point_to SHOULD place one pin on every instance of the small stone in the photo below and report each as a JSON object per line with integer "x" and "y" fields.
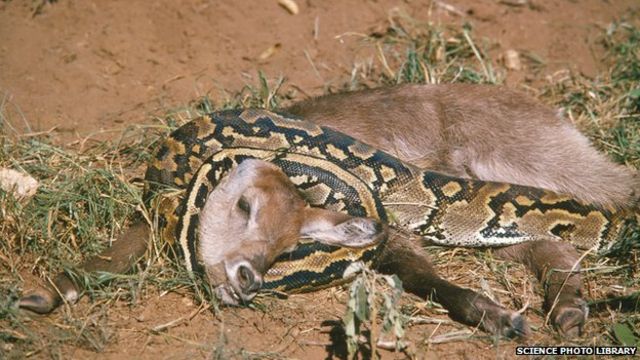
{"x": 22, "y": 186}
{"x": 512, "y": 60}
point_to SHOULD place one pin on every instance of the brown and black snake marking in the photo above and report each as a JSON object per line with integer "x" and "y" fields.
{"x": 335, "y": 171}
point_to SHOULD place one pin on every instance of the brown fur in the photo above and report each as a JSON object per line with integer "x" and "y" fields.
{"x": 252, "y": 216}
{"x": 404, "y": 257}
{"x": 492, "y": 134}
{"x": 469, "y": 131}
{"x": 477, "y": 131}
{"x": 556, "y": 266}
{"x": 119, "y": 258}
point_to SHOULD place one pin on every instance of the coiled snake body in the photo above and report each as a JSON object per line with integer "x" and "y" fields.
{"x": 335, "y": 171}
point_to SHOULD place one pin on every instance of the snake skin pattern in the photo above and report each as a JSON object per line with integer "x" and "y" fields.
{"x": 337, "y": 172}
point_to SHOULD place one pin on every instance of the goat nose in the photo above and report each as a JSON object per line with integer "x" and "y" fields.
{"x": 250, "y": 282}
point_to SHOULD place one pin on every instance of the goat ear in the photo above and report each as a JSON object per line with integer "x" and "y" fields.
{"x": 334, "y": 228}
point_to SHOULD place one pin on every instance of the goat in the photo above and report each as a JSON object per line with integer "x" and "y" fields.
{"x": 479, "y": 132}
{"x": 492, "y": 134}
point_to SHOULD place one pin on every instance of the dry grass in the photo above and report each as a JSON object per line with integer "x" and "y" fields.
{"x": 606, "y": 108}
{"x": 88, "y": 190}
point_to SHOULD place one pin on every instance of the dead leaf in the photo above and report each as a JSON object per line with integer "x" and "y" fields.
{"x": 290, "y": 5}
{"x": 269, "y": 52}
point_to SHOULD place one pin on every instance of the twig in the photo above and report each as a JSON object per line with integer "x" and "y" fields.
{"x": 316, "y": 343}
{"x": 373, "y": 308}
{"x": 419, "y": 320}
{"x": 485, "y": 69}
{"x": 350, "y": 33}
{"x": 13, "y": 334}
{"x": 180, "y": 320}
{"x": 38, "y": 133}
{"x": 571, "y": 272}
{"x": 450, "y": 8}
{"x": 449, "y": 337}
{"x": 313, "y": 65}
{"x": 316, "y": 28}
{"x": 383, "y": 59}
{"x": 392, "y": 345}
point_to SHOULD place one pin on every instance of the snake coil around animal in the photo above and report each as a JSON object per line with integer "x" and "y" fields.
{"x": 335, "y": 171}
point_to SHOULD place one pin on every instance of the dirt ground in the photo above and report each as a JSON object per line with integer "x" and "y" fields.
{"x": 83, "y": 67}
{"x": 79, "y": 69}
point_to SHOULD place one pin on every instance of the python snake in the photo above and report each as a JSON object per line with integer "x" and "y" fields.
{"x": 335, "y": 171}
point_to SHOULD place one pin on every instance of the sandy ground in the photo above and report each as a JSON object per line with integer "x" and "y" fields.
{"x": 81, "y": 69}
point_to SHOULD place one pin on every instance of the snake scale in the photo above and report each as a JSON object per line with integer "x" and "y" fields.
{"x": 335, "y": 171}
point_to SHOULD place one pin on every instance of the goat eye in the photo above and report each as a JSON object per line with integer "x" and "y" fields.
{"x": 244, "y": 206}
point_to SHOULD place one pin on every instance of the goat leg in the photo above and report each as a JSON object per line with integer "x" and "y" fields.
{"x": 119, "y": 258}
{"x": 556, "y": 265}
{"x": 411, "y": 264}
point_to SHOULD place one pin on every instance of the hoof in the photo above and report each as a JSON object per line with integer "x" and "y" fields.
{"x": 569, "y": 319}
{"x": 503, "y": 322}
{"x": 40, "y": 301}
{"x": 498, "y": 320}
{"x": 516, "y": 327}
{"x": 511, "y": 325}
